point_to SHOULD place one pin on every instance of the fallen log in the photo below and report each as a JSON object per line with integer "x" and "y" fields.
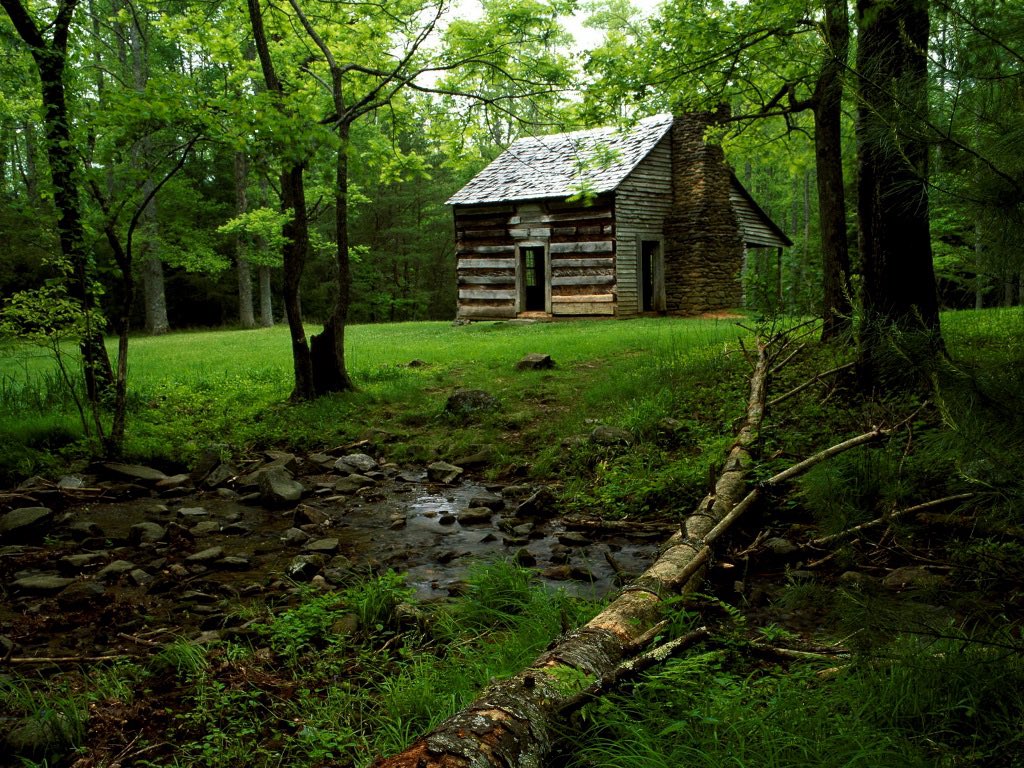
{"x": 512, "y": 722}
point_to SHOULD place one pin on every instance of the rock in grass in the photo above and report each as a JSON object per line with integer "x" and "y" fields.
{"x": 356, "y": 463}
{"x": 468, "y": 403}
{"x": 535, "y": 362}
{"x": 602, "y": 435}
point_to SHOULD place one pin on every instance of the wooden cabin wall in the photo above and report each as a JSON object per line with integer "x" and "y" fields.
{"x": 755, "y": 230}
{"x": 643, "y": 201}
{"x": 580, "y": 248}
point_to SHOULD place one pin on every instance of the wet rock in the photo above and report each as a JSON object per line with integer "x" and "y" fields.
{"x": 205, "y": 528}
{"x": 25, "y": 525}
{"x": 490, "y": 500}
{"x": 295, "y": 537}
{"x": 409, "y": 476}
{"x": 325, "y": 546}
{"x": 578, "y": 573}
{"x": 237, "y": 529}
{"x": 303, "y": 568}
{"x": 540, "y": 505}
{"x": 173, "y": 483}
{"x": 277, "y": 488}
{"x": 443, "y": 472}
{"x": 227, "y": 493}
{"x": 353, "y": 483}
{"x": 535, "y": 361}
{"x": 73, "y": 564}
{"x": 205, "y": 556}
{"x": 219, "y": 475}
{"x": 559, "y": 554}
{"x": 140, "y": 577}
{"x": 45, "y": 584}
{"x": 85, "y": 529}
{"x": 179, "y": 536}
{"x": 447, "y": 518}
{"x": 573, "y": 539}
{"x": 604, "y": 435}
{"x": 780, "y": 547}
{"x": 476, "y": 516}
{"x": 133, "y": 472}
{"x": 466, "y": 404}
{"x": 912, "y": 577}
{"x": 192, "y": 514}
{"x": 81, "y": 594}
{"x": 234, "y": 563}
{"x": 515, "y": 541}
{"x": 115, "y": 570}
{"x": 70, "y": 482}
{"x": 560, "y": 572}
{"x": 282, "y": 459}
{"x": 524, "y": 558}
{"x": 307, "y": 515}
{"x": 356, "y": 463}
{"x": 517, "y": 491}
{"x": 146, "y": 533}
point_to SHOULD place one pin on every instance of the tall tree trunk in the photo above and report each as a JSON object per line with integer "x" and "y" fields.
{"x": 899, "y": 293}
{"x": 245, "y": 316}
{"x": 154, "y": 296}
{"x": 266, "y": 303}
{"x": 295, "y": 230}
{"x": 828, "y": 155}
{"x": 50, "y": 59}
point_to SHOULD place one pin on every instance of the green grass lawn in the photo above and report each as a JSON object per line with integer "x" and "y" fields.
{"x": 189, "y": 391}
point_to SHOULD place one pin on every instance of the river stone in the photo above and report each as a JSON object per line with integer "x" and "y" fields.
{"x": 307, "y": 515}
{"x": 174, "y": 482}
{"x": 277, "y": 488}
{"x": 139, "y": 577}
{"x": 146, "y": 533}
{"x": 134, "y": 472}
{"x": 234, "y": 562}
{"x": 115, "y": 570}
{"x": 28, "y": 524}
{"x": 573, "y": 539}
{"x": 557, "y": 573}
{"x": 524, "y": 558}
{"x": 466, "y": 403}
{"x": 476, "y": 516}
{"x": 326, "y": 546}
{"x": 912, "y": 577}
{"x": 80, "y": 594}
{"x": 295, "y": 537}
{"x": 44, "y": 583}
{"x": 481, "y": 456}
{"x": 237, "y": 529}
{"x": 206, "y": 556}
{"x": 73, "y": 564}
{"x": 446, "y": 518}
{"x": 356, "y": 463}
{"x": 304, "y": 567}
{"x": 353, "y": 483}
{"x": 191, "y": 514}
{"x": 535, "y": 362}
{"x": 205, "y": 528}
{"x": 70, "y": 482}
{"x": 282, "y": 459}
{"x": 780, "y": 547}
{"x": 84, "y": 529}
{"x": 443, "y": 472}
{"x": 604, "y": 435}
{"x": 541, "y": 505}
{"x": 489, "y": 500}
{"x": 219, "y": 475}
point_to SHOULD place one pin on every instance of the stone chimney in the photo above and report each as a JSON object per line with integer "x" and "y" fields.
{"x": 703, "y": 244}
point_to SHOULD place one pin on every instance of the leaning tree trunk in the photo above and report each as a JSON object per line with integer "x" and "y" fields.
{"x": 514, "y": 722}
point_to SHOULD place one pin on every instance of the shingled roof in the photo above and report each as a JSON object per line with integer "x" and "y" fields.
{"x": 564, "y": 164}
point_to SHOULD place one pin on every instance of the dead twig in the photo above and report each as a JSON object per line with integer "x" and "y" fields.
{"x": 824, "y": 541}
{"x": 69, "y": 659}
{"x": 779, "y": 366}
{"x": 816, "y": 378}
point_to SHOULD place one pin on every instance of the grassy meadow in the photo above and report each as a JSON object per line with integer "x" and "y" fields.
{"x": 931, "y": 675}
{"x": 229, "y": 389}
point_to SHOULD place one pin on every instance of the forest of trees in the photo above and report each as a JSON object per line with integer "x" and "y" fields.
{"x": 234, "y": 165}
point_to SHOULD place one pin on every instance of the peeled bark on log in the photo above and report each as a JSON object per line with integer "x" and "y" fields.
{"x": 513, "y": 722}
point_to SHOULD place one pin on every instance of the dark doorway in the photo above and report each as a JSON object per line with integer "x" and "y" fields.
{"x": 649, "y": 252}
{"x": 534, "y": 298}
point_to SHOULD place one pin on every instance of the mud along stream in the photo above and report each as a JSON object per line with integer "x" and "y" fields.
{"x": 106, "y": 563}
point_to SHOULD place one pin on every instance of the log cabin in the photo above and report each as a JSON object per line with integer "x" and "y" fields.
{"x": 613, "y": 222}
